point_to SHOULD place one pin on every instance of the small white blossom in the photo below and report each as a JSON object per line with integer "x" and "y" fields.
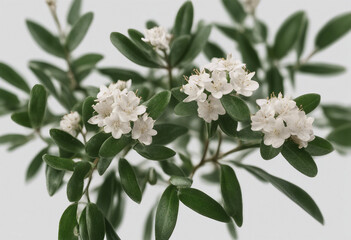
{"x": 200, "y": 79}
{"x": 219, "y": 85}
{"x": 70, "y": 123}
{"x": 284, "y": 106}
{"x": 242, "y": 83}
{"x": 103, "y": 110}
{"x": 220, "y": 64}
{"x": 301, "y": 126}
{"x": 210, "y": 109}
{"x": 143, "y": 129}
{"x": 194, "y": 92}
{"x": 263, "y": 120}
{"x": 128, "y": 107}
{"x": 115, "y": 126}
{"x": 158, "y": 37}
{"x": 123, "y": 85}
{"x": 277, "y": 136}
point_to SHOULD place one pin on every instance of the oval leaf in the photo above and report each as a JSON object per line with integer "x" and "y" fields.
{"x": 321, "y": 68}
{"x": 22, "y": 118}
{"x": 167, "y": 133}
{"x": 235, "y": 10}
{"x": 66, "y": 141}
{"x": 37, "y": 105}
{"x": 12, "y": 77}
{"x": 157, "y": 104}
{"x": 35, "y": 165}
{"x": 111, "y": 147}
{"x": 95, "y": 222}
{"x": 54, "y": 179}
{"x": 184, "y": 19}
{"x": 68, "y": 223}
{"x": 92, "y": 147}
{"x": 59, "y": 163}
{"x": 228, "y": 125}
{"x": 269, "y": 152}
{"x": 236, "y": 108}
{"x": 129, "y": 181}
{"x": 341, "y": 135}
{"x": 186, "y": 109}
{"x": 154, "y": 152}
{"x": 78, "y": 31}
{"x": 308, "y": 102}
{"x": 122, "y": 74}
{"x": 87, "y": 113}
{"x": 83, "y": 229}
{"x": 76, "y": 182}
{"x": 178, "y": 49}
{"x": 181, "y": 182}
{"x": 319, "y": 147}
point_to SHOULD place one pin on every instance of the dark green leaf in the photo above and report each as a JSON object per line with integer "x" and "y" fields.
{"x": 111, "y": 147}
{"x": 103, "y": 164}
{"x": 78, "y": 31}
{"x": 12, "y": 77}
{"x": 46, "y": 40}
{"x": 44, "y": 79}
{"x": 249, "y": 53}
{"x": 137, "y": 37}
{"x": 35, "y": 164}
{"x": 93, "y": 146}
{"x": 68, "y": 224}
{"x": 260, "y": 31}
{"x": 154, "y": 152}
{"x": 299, "y": 159}
{"x": 275, "y": 81}
{"x": 110, "y": 232}
{"x": 228, "y": 125}
{"x": 269, "y": 152}
{"x": 236, "y": 108}
{"x": 59, "y": 163}
{"x": 157, "y": 104}
{"x": 337, "y": 115}
{"x": 203, "y": 204}
{"x": 166, "y": 213}
{"x": 122, "y": 74}
{"x": 319, "y": 147}
{"x": 184, "y": 19}
{"x": 149, "y": 225}
{"x": 22, "y": 119}
{"x": 235, "y": 10}
{"x": 87, "y": 113}
{"x": 181, "y": 182}
{"x": 8, "y": 100}
{"x": 107, "y": 193}
{"x": 74, "y": 12}
{"x": 308, "y": 102}
{"x": 178, "y": 49}
{"x": 231, "y": 193}
{"x": 37, "y": 105}
{"x": 230, "y": 32}
{"x": 83, "y": 229}
{"x": 51, "y": 71}
{"x": 296, "y": 194}
{"x": 186, "y": 109}
{"x": 95, "y": 222}
{"x": 129, "y": 181}
{"x": 341, "y": 135}
{"x": 66, "y": 141}
{"x": 333, "y": 30}
{"x": 151, "y": 24}
{"x": 167, "y": 133}
{"x": 131, "y": 51}
{"x": 300, "y": 45}
{"x": 171, "y": 169}
{"x": 288, "y": 34}
{"x": 76, "y": 182}
{"x": 54, "y": 179}
{"x": 321, "y": 68}
{"x": 85, "y": 64}
{"x": 213, "y": 50}
{"x": 232, "y": 230}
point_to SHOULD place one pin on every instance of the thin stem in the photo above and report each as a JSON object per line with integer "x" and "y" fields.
{"x": 305, "y": 60}
{"x": 203, "y": 159}
{"x": 86, "y": 190}
{"x": 83, "y": 135}
{"x": 219, "y": 146}
{"x": 239, "y": 148}
{"x": 169, "y": 69}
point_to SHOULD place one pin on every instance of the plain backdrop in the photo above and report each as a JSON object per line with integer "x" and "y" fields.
{"x": 26, "y": 210}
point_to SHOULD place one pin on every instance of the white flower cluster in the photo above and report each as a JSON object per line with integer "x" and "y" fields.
{"x": 218, "y": 78}
{"x": 158, "y": 37}
{"x": 70, "y": 123}
{"x": 279, "y": 118}
{"x": 117, "y": 108}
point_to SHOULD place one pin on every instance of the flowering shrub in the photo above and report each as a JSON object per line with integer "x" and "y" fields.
{"x": 160, "y": 115}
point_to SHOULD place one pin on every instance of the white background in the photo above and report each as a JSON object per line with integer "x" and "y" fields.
{"x": 26, "y": 210}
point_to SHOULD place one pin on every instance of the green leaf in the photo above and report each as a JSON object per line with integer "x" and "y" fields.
{"x": 154, "y": 152}
{"x": 167, "y": 133}
{"x": 103, "y": 164}
{"x": 111, "y": 147}
{"x": 131, "y": 51}
{"x": 260, "y": 31}
{"x": 288, "y": 34}
{"x": 37, "y": 105}
{"x": 178, "y": 49}
{"x": 137, "y": 37}
{"x": 85, "y": 64}
{"x": 300, "y": 45}
{"x": 275, "y": 81}
{"x": 235, "y": 10}
{"x": 157, "y": 104}
{"x": 54, "y": 179}
{"x": 333, "y": 30}
{"x": 171, "y": 169}
{"x": 12, "y": 77}
{"x": 12, "y": 138}
{"x": 107, "y": 193}
{"x": 269, "y": 152}
{"x": 151, "y": 24}
{"x": 92, "y": 147}
{"x": 341, "y": 135}
{"x": 44, "y": 79}
{"x": 21, "y": 118}
{"x": 45, "y": 39}
{"x": 296, "y": 194}
{"x": 321, "y": 68}
{"x": 110, "y": 232}
{"x": 8, "y": 100}
{"x": 122, "y": 74}
{"x": 78, "y": 31}
{"x": 236, "y": 108}
{"x": 299, "y": 159}
{"x": 308, "y": 102}
{"x": 149, "y": 225}
{"x": 152, "y": 176}
{"x": 229, "y": 32}
{"x": 248, "y": 52}
{"x": 203, "y": 204}
{"x": 181, "y": 182}
{"x": 51, "y": 71}
{"x": 186, "y": 109}
{"x": 184, "y": 19}
{"x": 66, "y": 141}
{"x": 337, "y": 115}
{"x": 35, "y": 164}
{"x": 74, "y": 12}
{"x": 129, "y": 180}
{"x": 76, "y": 182}
{"x": 197, "y": 44}
{"x": 68, "y": 224}
{"x": 59, "y": 163}
{"x": 83, "y": 229}
{"x": 87, "y": 113}
{"x": 95, "y": 222}
{"x": 232, "y": 230}
{"x": 228, "y": 125}
{"x": 213, "y": 50}
{"x": 231, "y": 193}
{"x": 166, "y": 213}
{"x": 319, "y": 147}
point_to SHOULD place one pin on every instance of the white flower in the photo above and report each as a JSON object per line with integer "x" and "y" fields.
{"x": 123, "y": 85}
{"x": 277, "y": 136}
{"x": 200, "y": 79}
{"x": 242, "y": 82}
{"x": 143, "y": 129}
{"x": 210, "y": 109}
{"x": 284, "y": 106}
{"x": 115, "y": 126}
{"x": 263, "y": 119}
{"x": 250, "y": 5}
{"x": 300, "y": 126}
{"x": 158, "y": 37}
{"x": 219, "y": 85}
{"x": 103, "y": 110}
{"x": 194, "y": 92}
{"x": 220, "y": 64}
{"x": 70, "y": 123}
{"x": 302, "y": 144}
{"x": 127, "y": 106}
